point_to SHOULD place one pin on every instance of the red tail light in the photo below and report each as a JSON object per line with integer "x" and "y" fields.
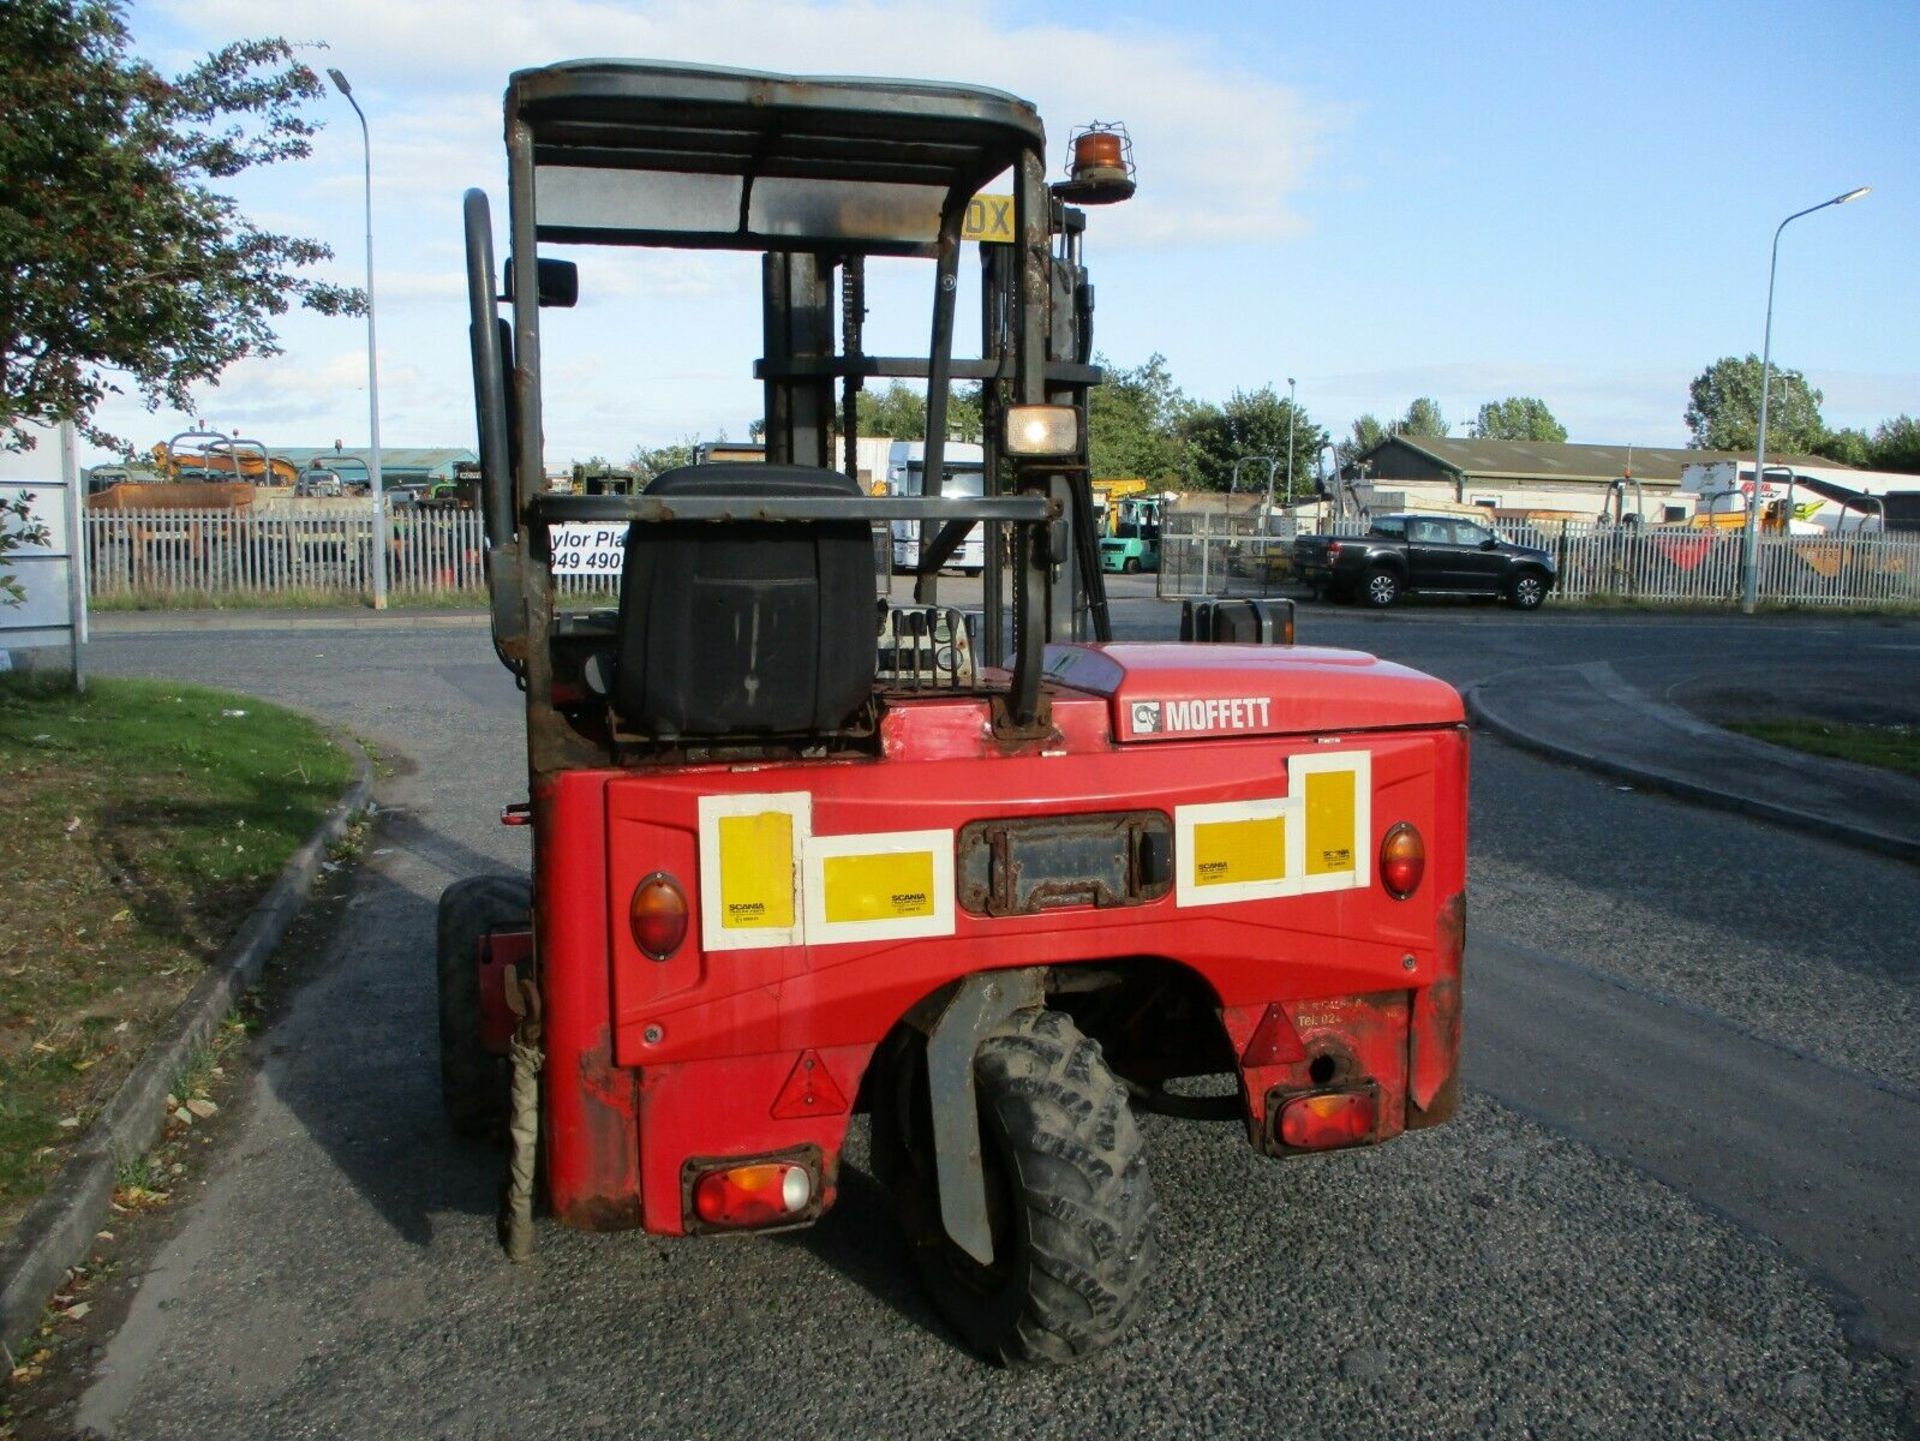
{"x": 1403, "y": 861}
{"x": 657, "y": 915}
{"x": 1329, "y": 1120}
{"x": 763, "y": 1194}
{"x": 1333, "y": 550}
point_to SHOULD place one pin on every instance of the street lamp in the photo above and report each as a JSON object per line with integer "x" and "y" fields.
{"x": 373, "y": 367}
{"x": 1289, "y": 445}
{"x": 1750, "y": 588}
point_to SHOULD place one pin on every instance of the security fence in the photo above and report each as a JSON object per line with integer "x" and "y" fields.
{"x": 180, "y": 555}
{"x": 210, "y": 557}
{"x": 1218, "y": 552}
{"x": 1211, "y": 552}
{"x": 1707, "y": 566}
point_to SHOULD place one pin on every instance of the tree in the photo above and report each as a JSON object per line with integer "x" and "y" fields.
{"x": 19, "y": 527}
{"x": 1896, "y": 445}
{"x": 1133, "y": 422}
{"x": 1848, "y": 446}
{"x": 899, "y": 411}
{"x": 1723, "y": 412}
{"x": 1252, "y": 423}
{"x": 120, "y": 259}
{"x": 1367, "y": 432}
{"x": 647, "y": 461}
{"x": 1423, "y": 418}
{"x": 1518, "y": 417}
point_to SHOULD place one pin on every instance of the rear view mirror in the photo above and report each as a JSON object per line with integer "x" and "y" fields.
{"x": 1489, "y": 543}
{"x": 559, "y": 283}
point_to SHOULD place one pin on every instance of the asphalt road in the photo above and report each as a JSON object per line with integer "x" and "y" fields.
{"x": 1593, "y": 1248}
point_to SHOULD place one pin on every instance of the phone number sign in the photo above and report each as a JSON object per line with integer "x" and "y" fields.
{"x": 585, "y": 548}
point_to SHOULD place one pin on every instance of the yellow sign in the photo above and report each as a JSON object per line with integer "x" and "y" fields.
{"x": 989, "y": 220}
{"x": 756, "y": 871}
{"x": 1227, "y": 853}
{"x": 1330, "y": 828}
{"x": 887, "y": 886}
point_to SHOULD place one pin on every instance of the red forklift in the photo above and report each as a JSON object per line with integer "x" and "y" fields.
{"x": 801, "y": 853}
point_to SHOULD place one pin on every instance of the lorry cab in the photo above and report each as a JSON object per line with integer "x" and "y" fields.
{"x": 962, "y": 474}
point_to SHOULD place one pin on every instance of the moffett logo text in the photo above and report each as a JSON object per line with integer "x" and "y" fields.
{"x": 1220, "y": 713}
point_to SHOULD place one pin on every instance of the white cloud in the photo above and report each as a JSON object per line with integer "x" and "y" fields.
{"x": 1222, "y": 151}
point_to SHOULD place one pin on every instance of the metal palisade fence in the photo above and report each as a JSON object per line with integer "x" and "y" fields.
{"x": 1210, "y": 552}
{"x": 182, "y": 557}
{"x": 178, "y": 557}
{"x": 1657, "y": 563}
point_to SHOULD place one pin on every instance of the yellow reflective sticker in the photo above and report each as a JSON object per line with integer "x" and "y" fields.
{"x": 883, "y": 887}
{"x": 1235, "y": 852}
{"x": 756, "y": 871}
{"x": 1330, "y": 807}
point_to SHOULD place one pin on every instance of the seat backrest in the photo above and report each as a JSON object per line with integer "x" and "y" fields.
{"x": 745, "y": 629}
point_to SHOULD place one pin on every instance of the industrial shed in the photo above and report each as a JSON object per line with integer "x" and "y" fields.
{"x": 399, "y": 464}
{"x": 1515, "y": 477}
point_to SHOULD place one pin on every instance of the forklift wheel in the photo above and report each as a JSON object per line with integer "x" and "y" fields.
{"x": 473, "y": 1082}
{"x": 1068, "y": 1194}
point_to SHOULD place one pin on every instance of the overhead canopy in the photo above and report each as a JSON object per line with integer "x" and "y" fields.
{"x": 639, "y": 152}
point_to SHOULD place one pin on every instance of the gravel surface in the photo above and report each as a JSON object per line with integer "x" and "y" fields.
{"x": 1801, "y": 941}
{"x": 1490, "y": 1278}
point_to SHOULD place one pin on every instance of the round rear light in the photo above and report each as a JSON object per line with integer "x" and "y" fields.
{"x": 657, "y": 915}
{"x": 1403, "y": 861}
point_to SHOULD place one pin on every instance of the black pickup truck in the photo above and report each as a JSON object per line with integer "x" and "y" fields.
{"x": 1424, "y": 554}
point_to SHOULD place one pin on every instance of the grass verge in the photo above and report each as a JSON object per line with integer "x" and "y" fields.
{"x": 1891, "y": 747}
{"x": 146, "y": 819}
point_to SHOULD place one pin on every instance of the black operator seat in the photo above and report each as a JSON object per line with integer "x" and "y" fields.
{"x": 755, "y": 628}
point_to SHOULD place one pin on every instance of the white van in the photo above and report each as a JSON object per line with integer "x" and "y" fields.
{"x": 962, "y": 473}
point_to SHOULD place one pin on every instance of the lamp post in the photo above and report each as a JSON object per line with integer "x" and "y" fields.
{"x": 1750, "y": 567}
{"x": 1289, "y": 444}
{"x": 373, "y": 367}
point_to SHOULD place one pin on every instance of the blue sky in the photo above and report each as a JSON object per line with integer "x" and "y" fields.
{"x": 1382, "y": 200}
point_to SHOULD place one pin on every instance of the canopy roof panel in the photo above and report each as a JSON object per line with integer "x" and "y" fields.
{"x": 647, "y": 152}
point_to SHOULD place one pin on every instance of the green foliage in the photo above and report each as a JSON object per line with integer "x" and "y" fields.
{"x": 964, "y": 418}
{"x": 1133, "y": 422}
{"x": 1423, "y": 418}
{"x": 1849, "y": 447}
{"x": 899, "y": 411}
{"x": 18, "y": 527}
{"x": 120, "y": 256}
{"x": 1723, "y": 411}
{"x": 1367, "y": 432}
{"x": 1252, "y": 423}
{"x": 1518, "y": 417}
{"x": 1896, "y": 445}
{"x": 648, "y": 461}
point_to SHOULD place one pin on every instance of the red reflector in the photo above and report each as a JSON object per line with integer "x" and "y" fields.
{"x": 657, "y": 915}
{"x": 1329, "y": 1120}
{"x": 756, "y": 1195}
{"x": 1403, "y": 861}
{"x": 1274, "y": 1041}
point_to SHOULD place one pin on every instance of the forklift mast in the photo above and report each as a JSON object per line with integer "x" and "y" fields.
{"x": 816, "y": 175}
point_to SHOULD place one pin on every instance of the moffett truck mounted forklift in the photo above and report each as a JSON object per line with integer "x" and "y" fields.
{"x": 797, "y": 855}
